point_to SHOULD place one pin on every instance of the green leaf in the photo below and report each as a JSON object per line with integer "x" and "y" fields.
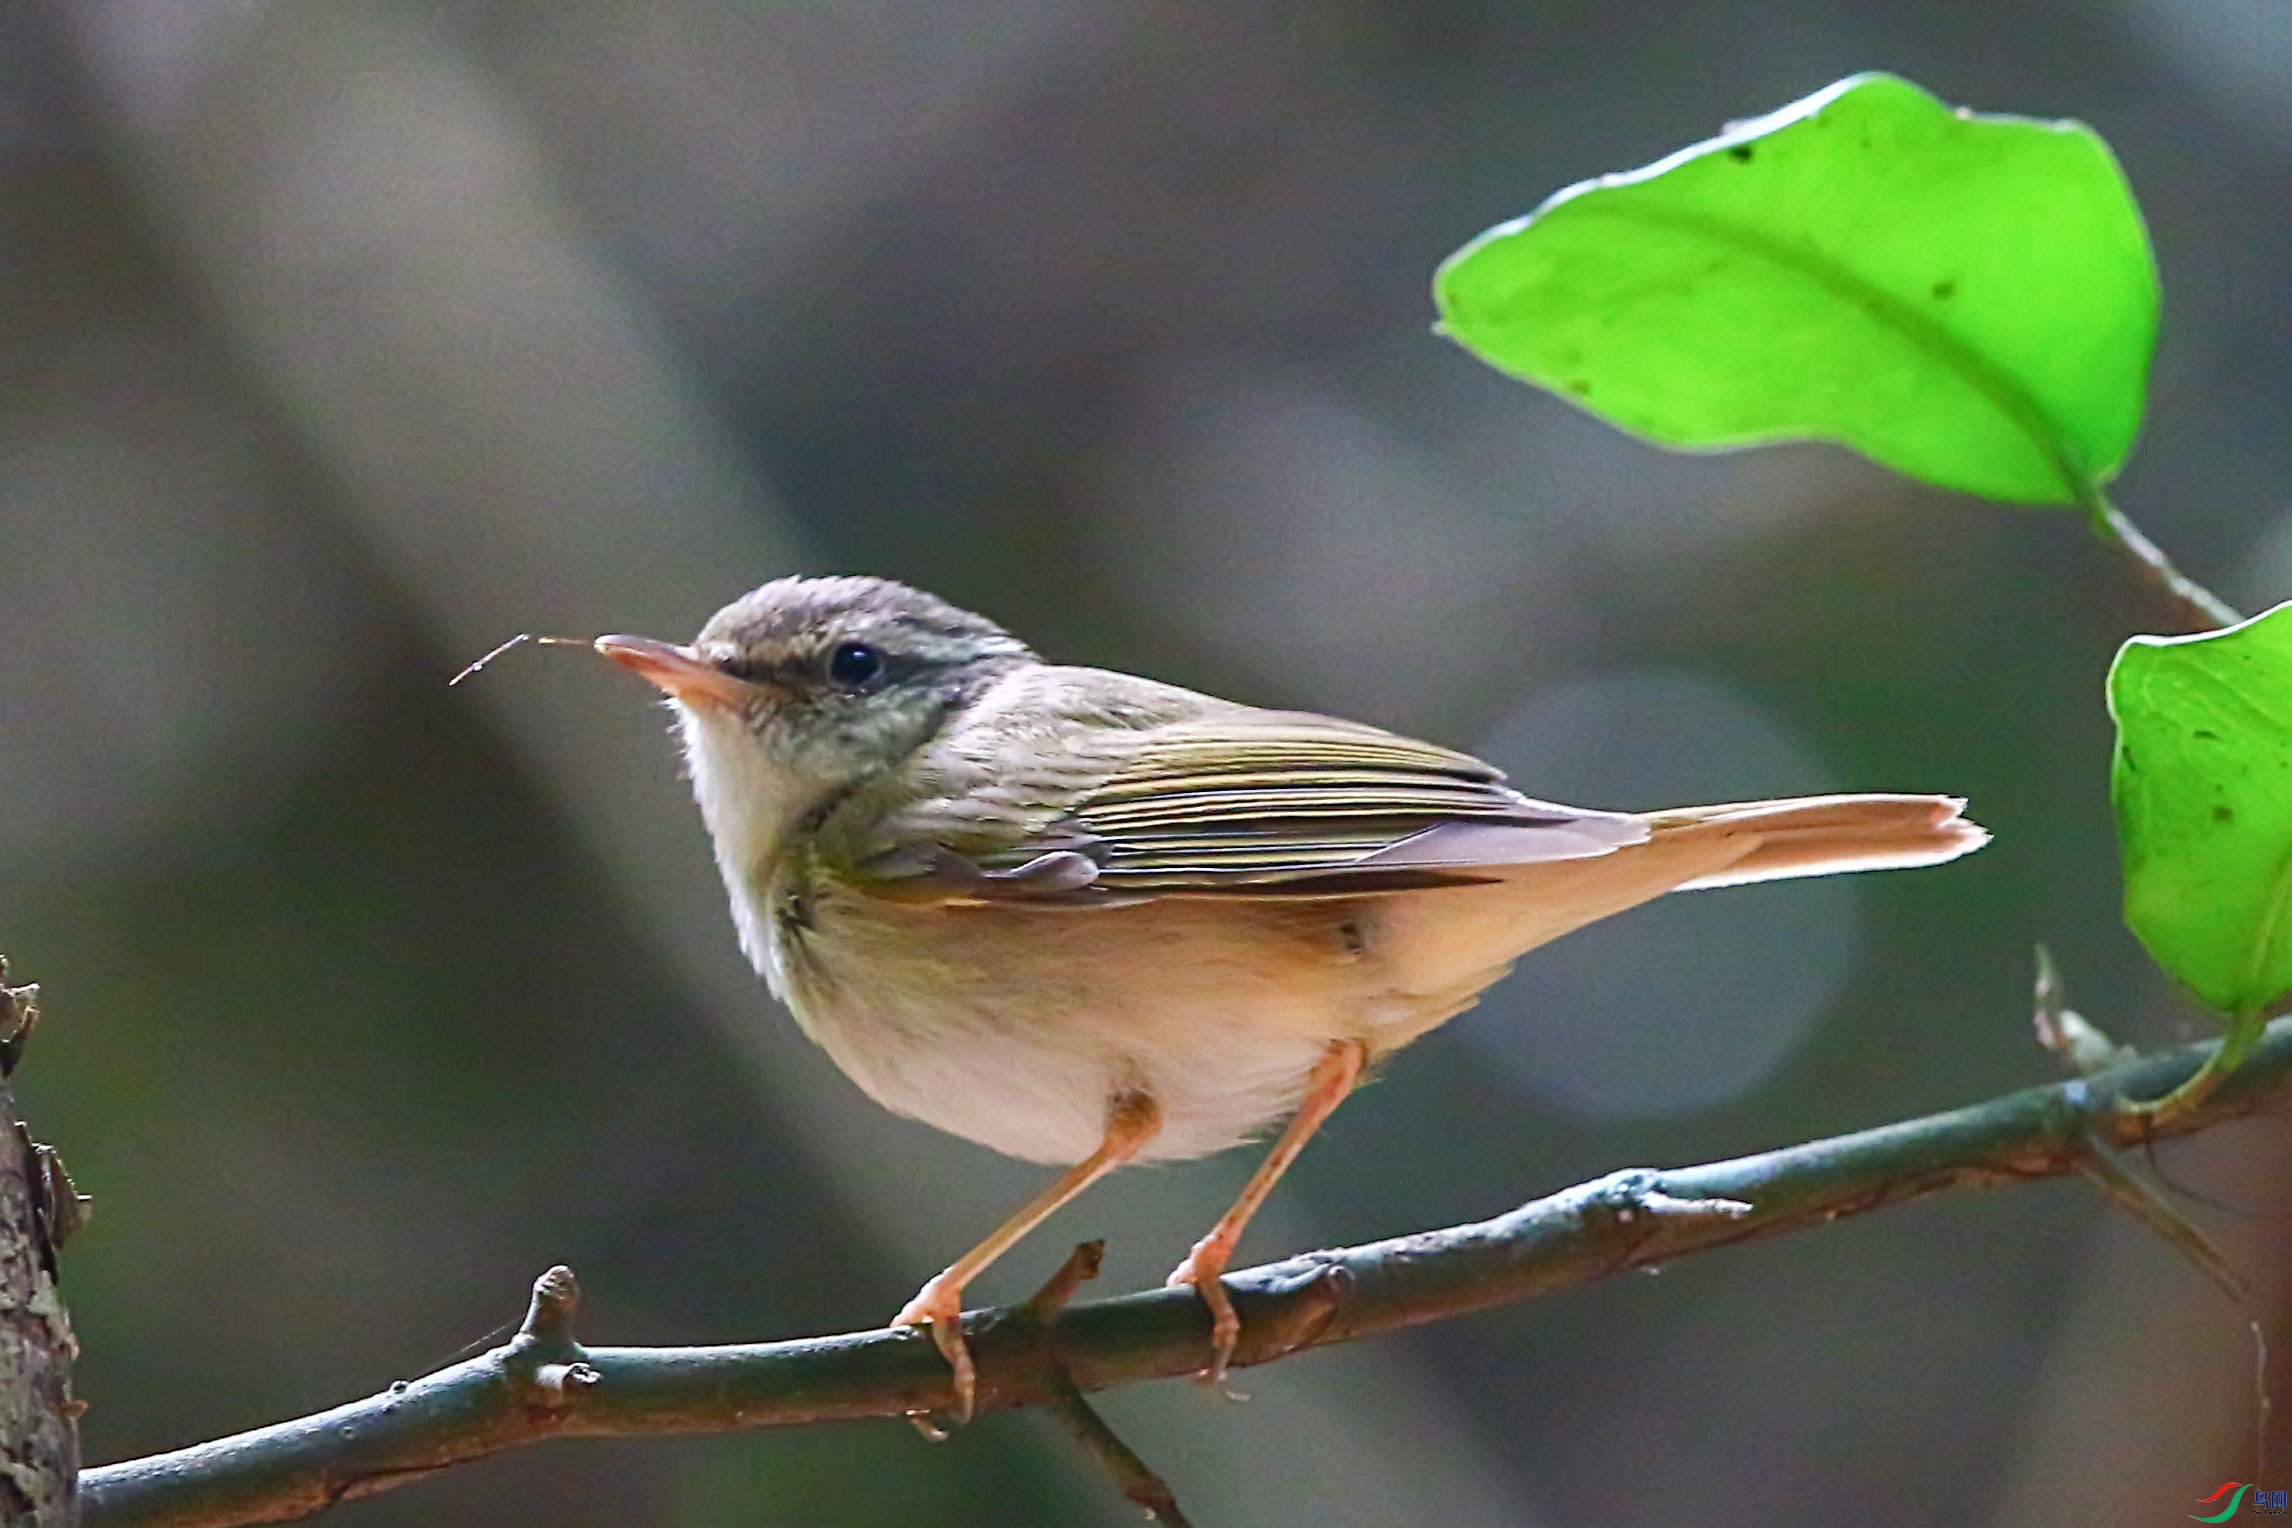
{"x": 2203, "y": 786}
{"x": 1968, "y": 299}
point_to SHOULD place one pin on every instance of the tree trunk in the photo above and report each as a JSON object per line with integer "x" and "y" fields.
{"x": 39, "y": 1428}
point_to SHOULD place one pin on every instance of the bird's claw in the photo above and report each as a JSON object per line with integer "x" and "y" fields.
{"x": 1204, "y": 1268}
{"x": 939, "y": 1306}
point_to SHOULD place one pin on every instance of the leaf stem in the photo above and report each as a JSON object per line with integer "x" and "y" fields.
{"x": 2244, "y": 1031}
{"x": 2195, "y": 606}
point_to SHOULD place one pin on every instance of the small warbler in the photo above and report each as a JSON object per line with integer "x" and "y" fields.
{"x": 1086, "y": 918}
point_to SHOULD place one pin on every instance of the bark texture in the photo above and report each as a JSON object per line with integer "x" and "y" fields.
{"x": 39, "y": 1427}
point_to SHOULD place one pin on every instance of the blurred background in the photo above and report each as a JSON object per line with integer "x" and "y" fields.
{"x": 339, "y": 341}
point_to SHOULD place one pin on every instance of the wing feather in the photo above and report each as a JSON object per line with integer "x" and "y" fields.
{"x": 1210, "y": 798}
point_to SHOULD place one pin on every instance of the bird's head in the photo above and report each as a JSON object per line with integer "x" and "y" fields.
{"x": 800, "y": 692}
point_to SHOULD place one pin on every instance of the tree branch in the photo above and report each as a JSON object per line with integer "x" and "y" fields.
{"x": 542, "y": 1384}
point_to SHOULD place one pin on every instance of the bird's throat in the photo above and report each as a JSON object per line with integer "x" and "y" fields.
{"x": 755, "y": 808}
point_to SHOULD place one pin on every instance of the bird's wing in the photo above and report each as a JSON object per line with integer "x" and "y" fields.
{"x": 1271, "y": 799}
{"x": 1222, "y": 800}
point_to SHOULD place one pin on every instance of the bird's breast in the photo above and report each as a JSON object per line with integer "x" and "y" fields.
{"x": 1015, "y": 1027}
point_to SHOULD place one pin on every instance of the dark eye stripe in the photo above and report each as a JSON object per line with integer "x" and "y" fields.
{"x": 854, "y": 667}
{"x": 750, "y": 669}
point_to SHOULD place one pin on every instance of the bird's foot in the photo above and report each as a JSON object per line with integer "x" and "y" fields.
{"x": 1205, "y": 1269}
{"x": 939, "y": 1305}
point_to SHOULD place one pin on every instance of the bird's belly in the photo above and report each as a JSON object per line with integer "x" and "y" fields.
{"x": 1015, "y": 1028}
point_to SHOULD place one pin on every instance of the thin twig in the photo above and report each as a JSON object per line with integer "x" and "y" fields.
{"x": 2108, "y": 1172}
{"x": 1137, "y": 1479}
{"x": 1133, "y": 1476}
{"x": 2074, "y": 1040}
{"x": 1629, "y": 1219}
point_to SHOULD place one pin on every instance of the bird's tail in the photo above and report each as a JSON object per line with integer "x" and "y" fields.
{"x": 1446, "y": 946}
{"x": 1825, "y": 835}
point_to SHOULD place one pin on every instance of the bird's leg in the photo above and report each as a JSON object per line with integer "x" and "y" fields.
{"x": 1132, "y": 1120}
{"x": 1332, "y": 1079}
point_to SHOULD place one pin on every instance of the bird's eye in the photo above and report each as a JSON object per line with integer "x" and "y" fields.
{"x": 855, "y": 665}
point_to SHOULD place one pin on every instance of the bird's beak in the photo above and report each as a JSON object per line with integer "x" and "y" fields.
{"x": 678, "y": 672}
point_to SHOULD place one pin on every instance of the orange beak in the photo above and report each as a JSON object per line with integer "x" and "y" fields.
{"x": 679, "y": 673}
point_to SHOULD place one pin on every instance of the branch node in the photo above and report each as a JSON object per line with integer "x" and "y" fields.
{"x": 1289, "y": 1311}
{"x": 2072, "y": 1039}
{"x": 1631, "y": 1192}
{"x": 57, "y": 1204}
{"x": 543, "y": 1362}
{"x": 1081, "y": 1265}
{"x": 559, "y": 1383}
{"x": 19, "y": 1015}
{"x": 556, "y": 1300}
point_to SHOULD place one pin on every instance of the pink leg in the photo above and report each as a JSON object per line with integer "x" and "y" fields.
{"x": 1131, "y": 1121}
{"x": 1334, "y": 1076}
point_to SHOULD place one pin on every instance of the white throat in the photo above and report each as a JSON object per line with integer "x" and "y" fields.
{"x": 751, "y": 803}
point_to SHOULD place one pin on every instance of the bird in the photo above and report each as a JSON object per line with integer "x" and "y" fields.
{"x": 1088, "y": 919}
